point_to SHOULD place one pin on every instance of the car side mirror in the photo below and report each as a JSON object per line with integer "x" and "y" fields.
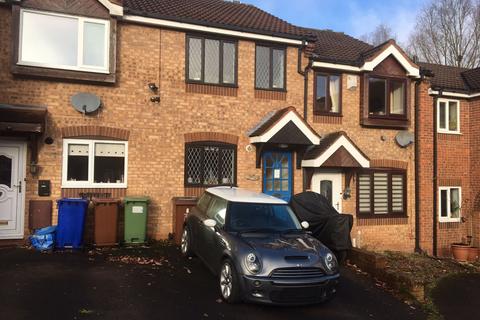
{"x": 305, "y": 225}
{"x": 210, "y": 223}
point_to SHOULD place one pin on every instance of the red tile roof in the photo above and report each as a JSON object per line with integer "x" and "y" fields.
{"x": 217, "y": 13}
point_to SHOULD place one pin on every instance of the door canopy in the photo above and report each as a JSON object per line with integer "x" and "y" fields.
{"x": 284, "y": 126}
{"x": 335, "y": 150}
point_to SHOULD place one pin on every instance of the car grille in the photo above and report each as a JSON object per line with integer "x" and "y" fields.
{"x": 297, "y": 273}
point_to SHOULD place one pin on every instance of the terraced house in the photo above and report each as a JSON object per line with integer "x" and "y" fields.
{"x": 199, "y": 93}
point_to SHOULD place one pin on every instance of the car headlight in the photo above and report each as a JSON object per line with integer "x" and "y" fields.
{"x": 252, "y": 263}
{"x": 331, "y": 262}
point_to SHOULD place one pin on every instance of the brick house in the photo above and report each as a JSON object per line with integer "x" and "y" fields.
{"x": 448, "y": 158}
{"x": 204, "y": 93}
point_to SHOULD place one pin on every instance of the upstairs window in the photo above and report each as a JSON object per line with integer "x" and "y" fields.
{"x": 61, "y": 41}
{"x": 448, "y": 116}
{"x": 210, "y": 164}
{"x": 94, "y": 164}
{"x": 449, "y": 200}
{"x": 211, "y": 61}
{"x": 270, "y": 68}
{"x": 381, "y": 193}
{"x": 327, "y": 94}
{"x": 386, "y": 97}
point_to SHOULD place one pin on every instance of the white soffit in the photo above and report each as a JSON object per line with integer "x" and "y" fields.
{"x": 290, "y": 116}
{"x": 342, "y": 141}
{"x": 454, "y": 94}
{"x": 114, "y": 9}
{"x": 370, "y": 65}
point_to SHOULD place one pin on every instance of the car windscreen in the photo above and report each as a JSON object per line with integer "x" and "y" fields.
{"x": 261, "y": 217}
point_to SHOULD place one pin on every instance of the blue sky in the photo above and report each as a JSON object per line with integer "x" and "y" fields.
{"x": 354, "y": 17}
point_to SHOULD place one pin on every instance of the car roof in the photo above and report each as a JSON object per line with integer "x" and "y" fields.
{"x": 235, "y": 194}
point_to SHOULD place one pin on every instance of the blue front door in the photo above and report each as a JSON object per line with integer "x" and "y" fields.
{"x": 277, "y": 174}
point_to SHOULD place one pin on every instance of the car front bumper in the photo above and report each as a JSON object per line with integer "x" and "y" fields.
{"x": 289, "y": 291}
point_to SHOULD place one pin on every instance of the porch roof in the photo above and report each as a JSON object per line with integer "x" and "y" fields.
{"x": 22, "y": 119}
{"x": 336, "y": 150}
{"x": 284, "y": 126}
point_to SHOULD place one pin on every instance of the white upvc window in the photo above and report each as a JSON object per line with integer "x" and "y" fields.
{"x": 448, "y": 116}
{"x": 449, "y": 204}
{"x": 94, "y": 163}
{"x": 60, "y": 41}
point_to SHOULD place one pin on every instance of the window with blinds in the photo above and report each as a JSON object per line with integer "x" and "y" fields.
{"x": 381, "y": 193}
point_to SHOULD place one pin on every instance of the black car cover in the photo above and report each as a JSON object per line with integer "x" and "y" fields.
{"x": 326, "y": 224}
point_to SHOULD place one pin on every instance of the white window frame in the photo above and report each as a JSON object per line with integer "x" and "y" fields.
{"x": 447, "y": 110}
{"x": 448, "y": 218}
{"x": 80, "y": 66}
{"x": 91, "y": 160}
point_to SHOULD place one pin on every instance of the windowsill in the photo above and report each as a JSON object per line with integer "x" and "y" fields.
{"x": 95, "y": 185}
{"x": 208, "y": 186}
{"x": 328, "y": 114}
{"x": 449, "y": 132}
{"x": 383, "y": 122}
{"x": 223, "y": 85}
{"x": 63, "y": 68}
{"x": 446, "y": 220}
{"x": 271, "y": 89}
{"x": 72, "y": 75}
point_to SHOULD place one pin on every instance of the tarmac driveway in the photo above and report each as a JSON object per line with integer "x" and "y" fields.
{"x": 115, "y": 284}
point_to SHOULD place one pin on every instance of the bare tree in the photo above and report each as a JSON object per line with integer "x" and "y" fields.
{"x": 448, "y": 32}
{"x": 381, "y": 34}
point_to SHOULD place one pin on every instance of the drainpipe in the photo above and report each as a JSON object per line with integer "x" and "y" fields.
{"x": 417, "y": 165}
{"x": 435, "y": 169}
{"x": 304, "y": 73}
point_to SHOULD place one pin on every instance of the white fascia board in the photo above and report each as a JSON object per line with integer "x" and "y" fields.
{"x": 290, "y": 116}
{"x": 341, "y": 142}
{"x": 199, "y": 28}
{"x": 328, "y": 65}
{"x": 370, "y": 65}
{"x": 453, "y": 94}
{"x": 392, "y": 50}
{"x": 114, "y": 9}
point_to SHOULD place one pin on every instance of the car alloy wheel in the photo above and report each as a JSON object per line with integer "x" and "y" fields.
{"x": 226, "y": 281}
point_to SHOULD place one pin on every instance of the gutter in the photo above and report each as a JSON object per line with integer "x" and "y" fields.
{"x": 304, "y": 73}
{"x": 435, "y": 169}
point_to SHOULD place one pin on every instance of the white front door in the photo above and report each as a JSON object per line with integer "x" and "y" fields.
{"x": 12, "y": 189}
{"x": 329, "y": 184}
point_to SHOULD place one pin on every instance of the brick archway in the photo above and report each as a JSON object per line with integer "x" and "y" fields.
{"x": 95, "y": 131}
{"x": 211, "y": 136}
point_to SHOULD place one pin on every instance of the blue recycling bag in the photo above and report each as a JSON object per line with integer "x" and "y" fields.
{"x": 44, "y": 239}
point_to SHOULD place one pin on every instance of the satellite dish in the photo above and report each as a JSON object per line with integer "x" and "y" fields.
{"x": 404, "y": 138}
{"x": 86, "y": 102}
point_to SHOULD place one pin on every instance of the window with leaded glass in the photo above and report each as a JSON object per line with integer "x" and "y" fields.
{"x": 381, "y": 192}
{"x": 210, "y": 164}
{"x": 270, "y": 68}
{"x": 211, "y": 61}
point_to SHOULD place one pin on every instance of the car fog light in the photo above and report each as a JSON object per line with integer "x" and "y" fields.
{"x": 257, "y": 294}
{"x": 257, "y": 283}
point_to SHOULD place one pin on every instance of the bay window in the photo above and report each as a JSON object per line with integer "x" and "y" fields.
{"x": 381, "y": 193}
{"x": 94, "y": 163}
{"x": 63, "y": 41}
{"x": 211, "y": 61}
{"x": 386, "y": 97}
{"x": 450, "y": 199}
{"x": 448, "y": 116}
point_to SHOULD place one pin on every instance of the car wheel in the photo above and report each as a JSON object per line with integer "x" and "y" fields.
{"x": 229, "y": 284}
{"x": 186, "y": 243}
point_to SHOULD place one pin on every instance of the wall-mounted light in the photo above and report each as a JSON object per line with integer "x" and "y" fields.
{"x": 153, "y": 87}
{"x": 33, "y": 168}
{"x": 283, "y": 146}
